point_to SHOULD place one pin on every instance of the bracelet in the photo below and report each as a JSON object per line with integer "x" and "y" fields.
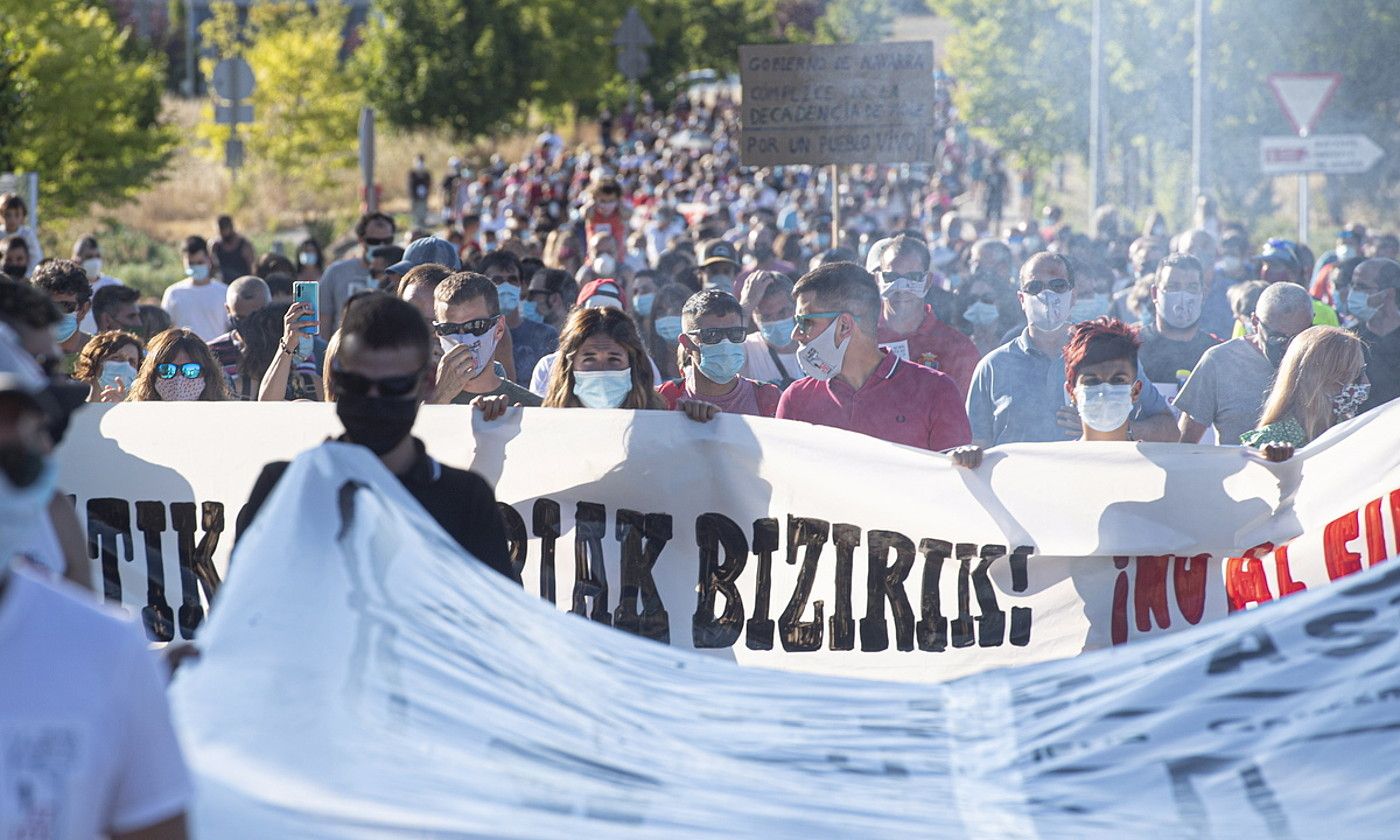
{"x": 286, "y": 349}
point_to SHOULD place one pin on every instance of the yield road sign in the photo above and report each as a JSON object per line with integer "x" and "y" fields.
{"x": 1303, "y": 96}
{"x": 1334, "y": 154}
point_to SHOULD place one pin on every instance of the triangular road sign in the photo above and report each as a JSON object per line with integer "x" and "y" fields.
{"x": 1303, "y": 96}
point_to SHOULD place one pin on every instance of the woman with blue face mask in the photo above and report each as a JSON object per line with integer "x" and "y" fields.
{"x": 661, "y": 330}
{"x": 601, "y": 364}
{"x": 108, "y": 364}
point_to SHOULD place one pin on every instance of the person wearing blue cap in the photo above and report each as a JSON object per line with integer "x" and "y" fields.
{"x": 1281, "y": 262}
{"x": 429, "y": 249}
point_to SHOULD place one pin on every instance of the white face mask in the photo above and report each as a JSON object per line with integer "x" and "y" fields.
{"x": 1047, "y": 311}
{"x": 821, "y": 358}
{"x": 1181, "y": 309}
{"x": 483, "y": 347}
{"x": 1104, "y": 408}
{"x": 900, "y": 286}
{"x": 93, "y": 267}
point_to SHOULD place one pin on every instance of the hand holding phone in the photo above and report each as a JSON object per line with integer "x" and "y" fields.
{"x": 308, "y": 292}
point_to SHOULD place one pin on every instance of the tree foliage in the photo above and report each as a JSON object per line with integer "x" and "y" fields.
{"x": 78, "y": 107}
{"x": 479, "y": 65}
{"x": 464, "y": 64}
{"x": 1022, "y": 70}
{"x": 306, "y": 103}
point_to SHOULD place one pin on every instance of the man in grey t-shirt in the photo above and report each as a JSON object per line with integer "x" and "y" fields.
{"x": 344, "y": 278}
{"x": 1228, "y": 387}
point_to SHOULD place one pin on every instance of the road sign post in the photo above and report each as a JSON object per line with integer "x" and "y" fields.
{"x": 632, "y": 39}
{"x": 1303, "y": 97}
{"x": 233, "y": 81}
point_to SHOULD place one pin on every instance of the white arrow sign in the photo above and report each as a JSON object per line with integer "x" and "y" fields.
{"x": 1303, "y": 96}
{"x": 1334, "y": 154}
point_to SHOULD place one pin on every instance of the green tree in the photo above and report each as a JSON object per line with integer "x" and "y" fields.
{"x": 466, "y": 65}
{"x": 89, "y": 120}
{"x": 306, "y": 104}
{"x": 854, "y": 21}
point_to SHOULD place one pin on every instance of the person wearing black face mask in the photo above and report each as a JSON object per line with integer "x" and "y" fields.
{"x": 14, "y": 257}
{"x": 379, "y": 376}
{"x": 344, "y": 278}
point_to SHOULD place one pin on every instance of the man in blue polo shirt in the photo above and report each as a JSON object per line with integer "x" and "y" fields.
{"x": 1018, "y": 390}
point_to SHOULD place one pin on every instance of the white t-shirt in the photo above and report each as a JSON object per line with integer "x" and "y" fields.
{"x": 539, "y": 377}
{"x": 88, "y": 325}
{"x": 760, "y": 367}
{"x": 198, "y": 308}
{"x": 86, "y": 745}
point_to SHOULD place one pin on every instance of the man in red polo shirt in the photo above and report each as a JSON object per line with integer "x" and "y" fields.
{"x": 908, "y": 327}
{"x": 851, "y": 382}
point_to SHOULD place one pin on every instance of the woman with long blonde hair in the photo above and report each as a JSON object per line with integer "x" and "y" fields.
{"x": 1321, "y": 382}
{"x": 601, "y": 364}
{"x": 178, "y": 368}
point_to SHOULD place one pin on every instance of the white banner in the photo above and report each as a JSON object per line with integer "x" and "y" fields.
{"x": 778, "y": 543}
{"x": 362, "y": 678}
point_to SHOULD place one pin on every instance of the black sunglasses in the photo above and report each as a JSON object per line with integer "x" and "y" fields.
{"x": 348, "y": 384}
{"x": 476, "y": 326}
{"x": 714, "y": 335}
{"x": 1058, "y": 285}
{"x": 68, "y": 306}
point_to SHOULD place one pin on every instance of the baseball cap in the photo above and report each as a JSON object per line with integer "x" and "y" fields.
{"x": 1281, "y": 251}
{"x": 714, "y": 251}
{"x": 600, "y": 293}
{"x": 550, "y": 282}
{"x": 429, "y": 249}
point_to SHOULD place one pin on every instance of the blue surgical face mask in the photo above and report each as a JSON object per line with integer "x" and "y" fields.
{"x": 720, "y": 363}
{"x": 642, "y": 303}
{"x": 112, "y": 371}
{"x": 602, "y": 388}
{"x": 981, "y": 313}
{"x": 66, "y": 326}
{"x": 198, "y": 273}
{"x": 1358, "y": 304}
{"x": 509, "y": 296}
{"x": 669, "y": 328}
{"x": 1088, "y": 308}
{"x": 529, "y": 311}
{"x": 778, "y": 333}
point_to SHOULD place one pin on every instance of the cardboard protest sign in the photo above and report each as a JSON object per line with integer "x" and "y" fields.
{"x": 361, "y": 677}
{"x": 781, "y": 544}
{"x": 846, "y": 103}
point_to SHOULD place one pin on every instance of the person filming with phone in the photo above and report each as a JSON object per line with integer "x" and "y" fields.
{"x": 380, "y": 374}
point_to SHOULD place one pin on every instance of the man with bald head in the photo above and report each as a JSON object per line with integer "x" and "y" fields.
{"x": 244, "y": 296}
{"x": 1227, "y": 388}
{"x": 1372, "y": 300}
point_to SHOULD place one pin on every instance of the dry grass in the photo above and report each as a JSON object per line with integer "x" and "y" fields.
{"x": 197, "y": 187}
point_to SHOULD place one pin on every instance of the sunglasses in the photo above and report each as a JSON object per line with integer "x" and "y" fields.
{"x": 189, "y": 370}
{"x": 804, "y": 322}
{"x": 348, "y": 384}
{"x": 68, "y": 306}
{"x": 476, "y": 326}
{"x": 1058, "y": 285}
{"x": 888, "y": 277}
{"x": 714, "y": 335}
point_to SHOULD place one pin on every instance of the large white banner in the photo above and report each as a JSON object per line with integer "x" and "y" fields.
{"x": 778, "y": 543}
{"x": 362, "y": 678}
